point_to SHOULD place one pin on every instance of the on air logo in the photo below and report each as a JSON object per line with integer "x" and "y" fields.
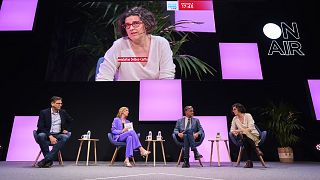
{"x": 289, "y": 44}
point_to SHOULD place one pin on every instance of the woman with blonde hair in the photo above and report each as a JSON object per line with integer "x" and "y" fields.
{"x": 122, "y": 134}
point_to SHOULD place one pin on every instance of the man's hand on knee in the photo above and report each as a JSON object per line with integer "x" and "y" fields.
{"x": 53, "y": 140}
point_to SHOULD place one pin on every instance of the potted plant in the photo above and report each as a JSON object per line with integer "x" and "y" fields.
{"x": 282, "y": 121}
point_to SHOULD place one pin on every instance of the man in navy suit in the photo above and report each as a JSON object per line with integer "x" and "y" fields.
{"x": 188, "y": 129}
{"x": 54, "y": 126}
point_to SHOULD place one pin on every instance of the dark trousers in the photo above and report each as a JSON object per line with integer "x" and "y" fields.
{"x": 189, "y": 143}
{"x": 44, "y": 143}
{"x": 249, "y": 145}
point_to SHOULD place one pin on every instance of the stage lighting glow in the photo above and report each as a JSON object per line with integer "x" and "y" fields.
{"x": 272, "y": 31}
{"x": 318, "y": 147}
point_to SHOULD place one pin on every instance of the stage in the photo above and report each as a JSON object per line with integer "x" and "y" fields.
{"x": 70, "y": 171}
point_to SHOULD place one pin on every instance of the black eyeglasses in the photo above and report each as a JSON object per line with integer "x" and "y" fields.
{"x": 135, "y": 24}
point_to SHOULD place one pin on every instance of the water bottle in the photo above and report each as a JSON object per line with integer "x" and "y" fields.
{"x": 89, "y": 134}
{"x": 159, "y": 137}
{"x": 218, "y": 136}
{"x": 150, "y": 135}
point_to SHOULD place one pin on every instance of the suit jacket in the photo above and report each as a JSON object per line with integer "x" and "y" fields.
{"x": 195, "y": 126}
{"x": 117, "y": 128}
{"x": 44, "y": 121}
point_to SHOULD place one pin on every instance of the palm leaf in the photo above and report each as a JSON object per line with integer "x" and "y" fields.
{"x": 283, "y": 122}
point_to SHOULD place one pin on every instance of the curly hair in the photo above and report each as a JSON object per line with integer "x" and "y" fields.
{"x": 145, "y": 15}
{"x": 239, "y": 107}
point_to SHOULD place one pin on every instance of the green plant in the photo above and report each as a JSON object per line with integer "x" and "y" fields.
{"x": 99, "y": 17}
{"x": 282, "y": 121}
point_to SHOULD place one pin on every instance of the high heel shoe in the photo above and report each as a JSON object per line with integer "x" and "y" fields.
{"x": 127, "y": 164}
{"x": 145, "y": 153}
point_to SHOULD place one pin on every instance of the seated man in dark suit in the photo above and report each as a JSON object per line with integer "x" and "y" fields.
{"x": 53, "y": 126}
{"x": 189, "y": 130}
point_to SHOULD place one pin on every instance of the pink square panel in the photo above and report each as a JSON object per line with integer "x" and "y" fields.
{"x": 314, "y": 86}
{"x": 211, "y": 126}
{"x": 240, "y": 61}
{"x": 17, "y": 15}
{"x": 160, "y": 100}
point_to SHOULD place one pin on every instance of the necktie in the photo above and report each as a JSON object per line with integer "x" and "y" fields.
{"x": 188, "y": 124}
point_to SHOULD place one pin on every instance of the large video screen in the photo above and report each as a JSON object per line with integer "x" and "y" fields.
{"x": 133, "y": 41}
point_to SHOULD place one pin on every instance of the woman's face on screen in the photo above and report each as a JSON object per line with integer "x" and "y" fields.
{"x": 134, "y": 27}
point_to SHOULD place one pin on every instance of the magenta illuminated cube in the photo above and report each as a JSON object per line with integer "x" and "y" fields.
{"x": 240, "y": 61}
{"x": 17, "y": 15}
{"x": 211, "y": 126}
{"x": 160, "y": 100}
{"x": 22, "y": 146}
{"x": 314, "y": 86}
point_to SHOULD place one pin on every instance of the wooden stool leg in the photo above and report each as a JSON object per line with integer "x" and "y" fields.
{"x": 262, "y": 161}
{"x": 211, "y": 152}
{"x": 154, "y": 154}
{"x": 218, "y": 152}
{"x": 163, "y": 154}
{"x": 37, "y": 158}
{"x": 147, "y": 150}
{"x": 79, "y": 152}
{"x": 114, "y": 155}
{"x": 228, "y": 152}
{"x": 88, "y": 152}
{"x": 239, "y": 156}
{"x": 179, "y": 159}
{"x": 200, "y": 163}
{"x": 60, "y": 158}
{"x": 95, "y": 152}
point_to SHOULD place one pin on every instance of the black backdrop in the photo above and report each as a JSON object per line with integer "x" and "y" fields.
{"x": 24, "y": 57}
